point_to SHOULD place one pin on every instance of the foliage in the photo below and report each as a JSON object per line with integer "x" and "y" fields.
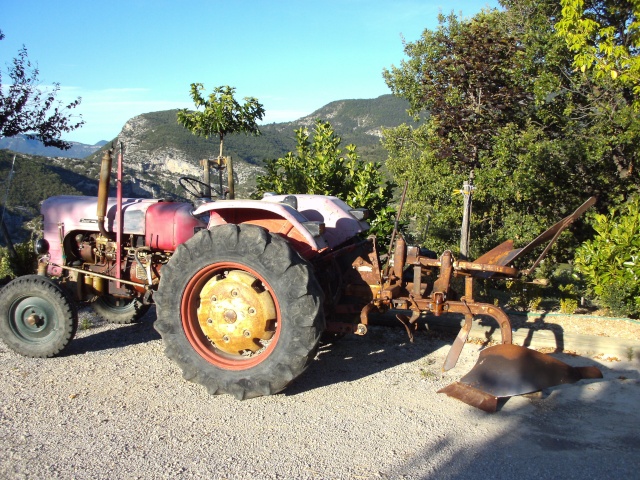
{"x": 610, "y": 262}
{"x": 27, "y": 109}
{"x": 538, "y": 151}
{"x": 222, "y": 114}
{"x": 24, "y": 264}
{"x": 318, "y": 167}
{"x": 35, "y": 179}
{"x": 469, "y": 86}
{"x": 605, "y": 36}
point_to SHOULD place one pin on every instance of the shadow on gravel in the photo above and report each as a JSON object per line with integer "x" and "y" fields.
{"x": 353, "y": 357}
{"x": 116, "y": 337}
{"x": 583, "y": 430}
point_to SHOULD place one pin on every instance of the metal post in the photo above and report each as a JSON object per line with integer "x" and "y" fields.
{"x": 465, "y": 233}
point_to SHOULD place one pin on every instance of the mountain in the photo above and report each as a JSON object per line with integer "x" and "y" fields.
{"x": 157, "y": 151}
{"x": 22, "y": 144}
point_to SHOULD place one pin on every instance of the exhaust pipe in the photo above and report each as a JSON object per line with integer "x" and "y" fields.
{"x": 103, "y": 190}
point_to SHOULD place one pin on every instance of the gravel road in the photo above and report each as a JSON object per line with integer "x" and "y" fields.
{"x": 114, "y": 407}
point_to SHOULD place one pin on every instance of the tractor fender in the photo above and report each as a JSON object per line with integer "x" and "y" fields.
{"x": 304, "y": 235}
{"x": 319, "y": 222}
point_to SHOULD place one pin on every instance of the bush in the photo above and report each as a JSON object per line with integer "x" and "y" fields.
{"x": 318, "y": 166}
{"x": 610, "y": 262}
{"x": 24, "y": 264}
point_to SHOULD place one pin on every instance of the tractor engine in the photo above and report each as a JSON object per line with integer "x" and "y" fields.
{"x": 94, "y": 253}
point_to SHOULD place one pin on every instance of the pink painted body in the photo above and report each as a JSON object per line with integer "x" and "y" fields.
{"x": 165, "y": 225}
{"x": 340, "y": 224}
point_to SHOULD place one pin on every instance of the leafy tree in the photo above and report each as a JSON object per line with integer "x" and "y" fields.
{"x": 465, "y": 81}
{"x": 558, "y": 137}
{"x": 318, "y": 167}
{"x": 27, "y": 109}
{"x": 605, "y": 36}
{"x": 222, "y": 114}
{"x": 610, "y": 262}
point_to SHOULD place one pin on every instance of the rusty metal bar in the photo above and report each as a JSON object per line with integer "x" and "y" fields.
{"x": 99, "y": 275}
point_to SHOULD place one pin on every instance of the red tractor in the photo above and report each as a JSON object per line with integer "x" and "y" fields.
{"x": 244, "y": 289}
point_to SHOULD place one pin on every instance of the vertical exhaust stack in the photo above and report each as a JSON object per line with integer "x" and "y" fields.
{"x": 103, "y": 190}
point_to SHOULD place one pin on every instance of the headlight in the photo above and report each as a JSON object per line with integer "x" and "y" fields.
{"x": 41, "y": 246}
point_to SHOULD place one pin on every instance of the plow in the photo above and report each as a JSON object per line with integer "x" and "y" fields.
{"x": 245, "y": 289}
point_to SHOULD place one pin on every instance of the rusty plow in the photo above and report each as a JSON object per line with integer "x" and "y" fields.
{"x": 417, "y": 282}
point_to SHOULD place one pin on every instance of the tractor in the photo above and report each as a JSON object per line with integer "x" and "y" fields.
{"x": 244, "y": 289}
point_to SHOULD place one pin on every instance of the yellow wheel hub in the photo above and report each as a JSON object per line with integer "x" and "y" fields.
{"x": 236, "y": 312}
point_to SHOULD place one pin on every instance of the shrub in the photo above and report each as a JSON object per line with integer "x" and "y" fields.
{"x": 24, "y": 264}
{"x": 610, "y": 262}
{"x": 318, "y": 166}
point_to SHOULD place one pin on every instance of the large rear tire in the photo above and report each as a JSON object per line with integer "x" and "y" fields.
{"x": 37, "y": 318}
{"x": 239, "y": 311}
{"x": 119, "y": 310}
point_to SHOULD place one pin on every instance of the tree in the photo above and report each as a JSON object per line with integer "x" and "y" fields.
{"x": 27, "y": 109}
{"x": 605, "y": 37}
{"x": 318, "y": 167}
{"x": 538, "y": 152}
{"x": 466, "y": 76}
{"x": 221, "y": 115}
{"x": 465, "y": 82}
{"x": 610, "y": 262}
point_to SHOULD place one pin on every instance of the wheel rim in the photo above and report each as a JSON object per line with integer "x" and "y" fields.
{"x": 229, "y": 316}
{"x": 33, "y": 319}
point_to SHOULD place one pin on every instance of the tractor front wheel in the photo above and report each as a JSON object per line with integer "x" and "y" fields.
{"x": 239, "y": 311}
{"x": 37, "y": 318}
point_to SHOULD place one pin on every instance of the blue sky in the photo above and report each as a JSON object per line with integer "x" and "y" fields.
{"x": 125, "y": 58}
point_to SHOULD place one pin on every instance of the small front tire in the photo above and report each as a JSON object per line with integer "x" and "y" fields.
{"x": 37, "y": 318}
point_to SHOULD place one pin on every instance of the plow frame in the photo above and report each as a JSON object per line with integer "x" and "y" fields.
{"x": 401, "y": 284}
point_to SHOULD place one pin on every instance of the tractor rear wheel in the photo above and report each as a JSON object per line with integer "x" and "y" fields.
{"x": 37, "y": 318}
{"x": 239, "y": 311}
{"x": 119, "y": 310}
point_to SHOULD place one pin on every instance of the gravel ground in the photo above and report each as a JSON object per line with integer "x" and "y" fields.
{"x": 115, "y": 407}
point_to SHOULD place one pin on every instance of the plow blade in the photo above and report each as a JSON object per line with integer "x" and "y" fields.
{"x": 506, "y": 370}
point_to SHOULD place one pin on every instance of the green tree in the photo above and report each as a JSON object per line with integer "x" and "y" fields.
{"x": 318, "y": 167}
{"x": 610, "y": 262}
{"x": 465, "y": 82}
{"x": 27, "y": 109}
{"x": 221, "y": 115}
{"x": 605, "y": 37}
{"x": 558, "y": 137}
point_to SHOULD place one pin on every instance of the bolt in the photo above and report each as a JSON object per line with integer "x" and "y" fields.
{"x": 230, "y": 316}
{"x": 252, "y": 311}
{"x": 225, "y": 338}
{"x": 210, "y": 321}
{"x": 246, "y": 333}
{"x": 214, "y": 298}
{"x": 34, "y": 320}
